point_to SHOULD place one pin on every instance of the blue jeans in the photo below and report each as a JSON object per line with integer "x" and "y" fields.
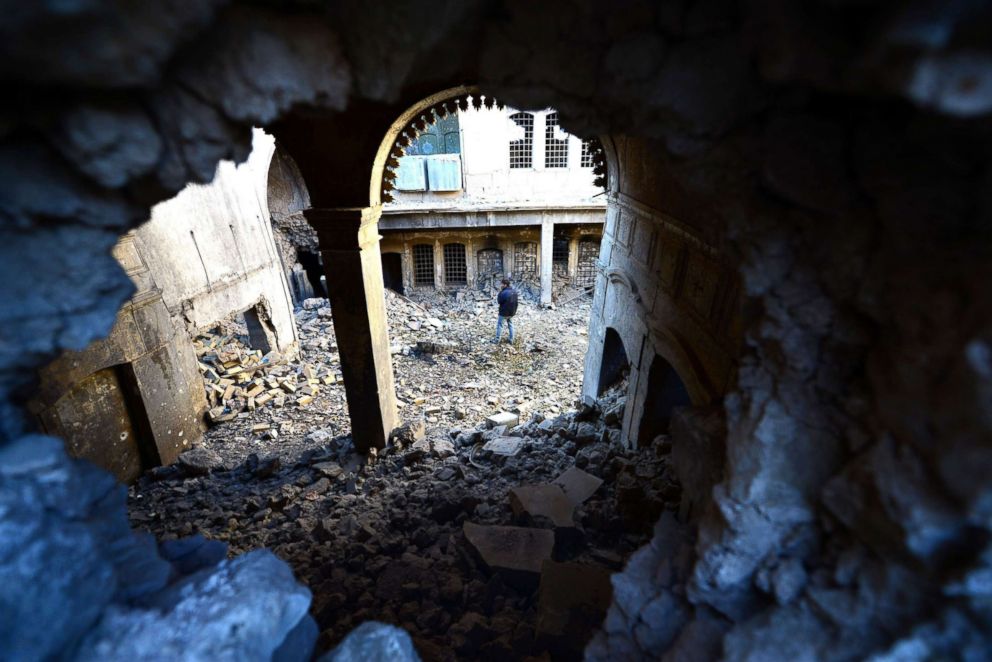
{"x": 499, "y": 327}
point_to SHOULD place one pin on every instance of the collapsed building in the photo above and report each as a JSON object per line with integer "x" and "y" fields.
{"x": 793, "y": 275}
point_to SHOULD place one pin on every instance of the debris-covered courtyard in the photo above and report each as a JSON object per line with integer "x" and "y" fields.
{"x": 490, "y": 526}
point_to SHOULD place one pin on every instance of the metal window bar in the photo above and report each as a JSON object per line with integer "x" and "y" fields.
{"x": 455, "y": 272}
{"x": 559, "y": 256}
{"x": 423, "y": 265}
{"x": 522, "y": 149}
{"x": 585, "y": 272}
{"x": 489, "y": 261}
{"x": 586, "y": 160}
{"x": 525, "y": 259}
{"x": 555, "y": 149}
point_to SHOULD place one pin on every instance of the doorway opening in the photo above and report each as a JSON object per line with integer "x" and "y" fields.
{"x": 666, "y": 391}
{"x": 314, "y": 269}
{"x": 614, "y": 365}
{"x": 392, "y": 271}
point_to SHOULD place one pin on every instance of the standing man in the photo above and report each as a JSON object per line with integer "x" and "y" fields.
{"x": 507, "y": 301}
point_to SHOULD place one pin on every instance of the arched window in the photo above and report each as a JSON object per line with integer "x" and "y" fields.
{"x": 559, "y": 255}
{"x": 614, "y": 364}
{"x": 423, "y": 265}
{"x": 522, "y": 149}
{"x": 489, "y": 261}
{"x": 455, "y": 272}
{"x": 525, "y": 260}
{"x": 585, "y": 270}
{"x": 555, "y": 149}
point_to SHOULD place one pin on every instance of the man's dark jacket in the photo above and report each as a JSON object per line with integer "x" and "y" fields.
{"x": 507, "y": 302}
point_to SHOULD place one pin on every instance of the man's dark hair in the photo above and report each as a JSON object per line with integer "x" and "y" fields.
{"x": 506, "y": 281}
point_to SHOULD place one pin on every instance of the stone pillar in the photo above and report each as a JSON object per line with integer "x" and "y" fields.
{"x": 349, "y": 246}
{"x": 547, "y": 245}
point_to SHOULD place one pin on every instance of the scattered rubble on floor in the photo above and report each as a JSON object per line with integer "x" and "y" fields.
{"x": 238, "y": 379}
{"x": 424, "y": 535}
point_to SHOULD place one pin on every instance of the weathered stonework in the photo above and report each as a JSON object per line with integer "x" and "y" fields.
{"x": 832, "y": 158}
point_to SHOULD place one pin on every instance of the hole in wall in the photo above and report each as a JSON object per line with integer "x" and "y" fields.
{"x": 614, "y": 365}
{"x": 314, "y": 269}
{"x": 666, "y": 391}
{"x": 392, "y": 272}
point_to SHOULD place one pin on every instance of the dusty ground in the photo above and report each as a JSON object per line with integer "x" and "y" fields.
{"x": 382, "y": 538}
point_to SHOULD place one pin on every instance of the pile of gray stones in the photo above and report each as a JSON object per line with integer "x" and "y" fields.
{"x": 490, "y": 542}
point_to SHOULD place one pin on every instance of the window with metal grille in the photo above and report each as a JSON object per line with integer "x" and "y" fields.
{"x": 522, "y": 149}
{"x": 555, "y": 149}
{"x": 585, "y": 272}
{"x": 423, "y": 265}
{"x": 489, "y": 261}
{"x": 559, "y": 255}
{"x": 525, "y": 259}
{"x": 586, "y": 160}
{"x": 454, "y": 264}
{"x": 440, "y": 136}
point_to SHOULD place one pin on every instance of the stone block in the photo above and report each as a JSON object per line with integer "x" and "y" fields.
{"x": 409, "y": 432}
{"x": 509, "y": 419}
{"x": 516, "y": 553}
{"x": 374, "y": 641}
{"x": 199, "y": 461}
{"x": 508, "y": 446}
{"x": 547, "y": 501}
{"x": 578, "y": 485}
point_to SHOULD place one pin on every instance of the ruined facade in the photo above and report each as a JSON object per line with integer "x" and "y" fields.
{"x": 491, "y": 192}
{"x": 823, "y": 169}
{"x": 204, "y": 257}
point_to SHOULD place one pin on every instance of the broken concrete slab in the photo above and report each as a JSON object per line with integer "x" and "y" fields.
{"x": 578, "y": 485}
{"x": 548, "y": 501}
{"x": 517, "y": 553}
{"x": 509, "y": 419}
{"x": 508, "y": 446}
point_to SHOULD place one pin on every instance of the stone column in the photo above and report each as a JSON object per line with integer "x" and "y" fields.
{"x": 349, "y": 246}
{"x": 547, "y": 245}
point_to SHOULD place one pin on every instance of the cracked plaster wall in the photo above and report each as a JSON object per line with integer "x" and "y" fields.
{"x": 836, "y": 154}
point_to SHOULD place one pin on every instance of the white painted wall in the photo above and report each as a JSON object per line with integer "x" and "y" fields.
{"x": 211, "y": 251}
{"x": 490, "y": 182}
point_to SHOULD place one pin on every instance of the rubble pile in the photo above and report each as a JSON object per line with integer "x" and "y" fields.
{"x": 487, "y": 541}
{"x": 237, "y": 378}
{"x": 447, "y": 369}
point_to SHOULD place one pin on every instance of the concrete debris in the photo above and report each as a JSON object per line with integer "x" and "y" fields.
{"x": 578, "y": 485}
{"x": 387, "y": 536}
{"x": 516, "y": 552}
{"x": 237, "y": 378}
{"x": 506, "y": 418}
{"x": 506, "y": 446}
{"x": 546, "y": 501}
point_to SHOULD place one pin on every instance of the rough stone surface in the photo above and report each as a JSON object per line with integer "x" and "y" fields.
{"x": 782, "y": 144}
{"x": 547, "y": 501}
{"x": 374, "y": 641}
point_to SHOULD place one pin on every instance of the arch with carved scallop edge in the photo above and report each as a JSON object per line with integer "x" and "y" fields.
{"x": 412, "y": 123}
